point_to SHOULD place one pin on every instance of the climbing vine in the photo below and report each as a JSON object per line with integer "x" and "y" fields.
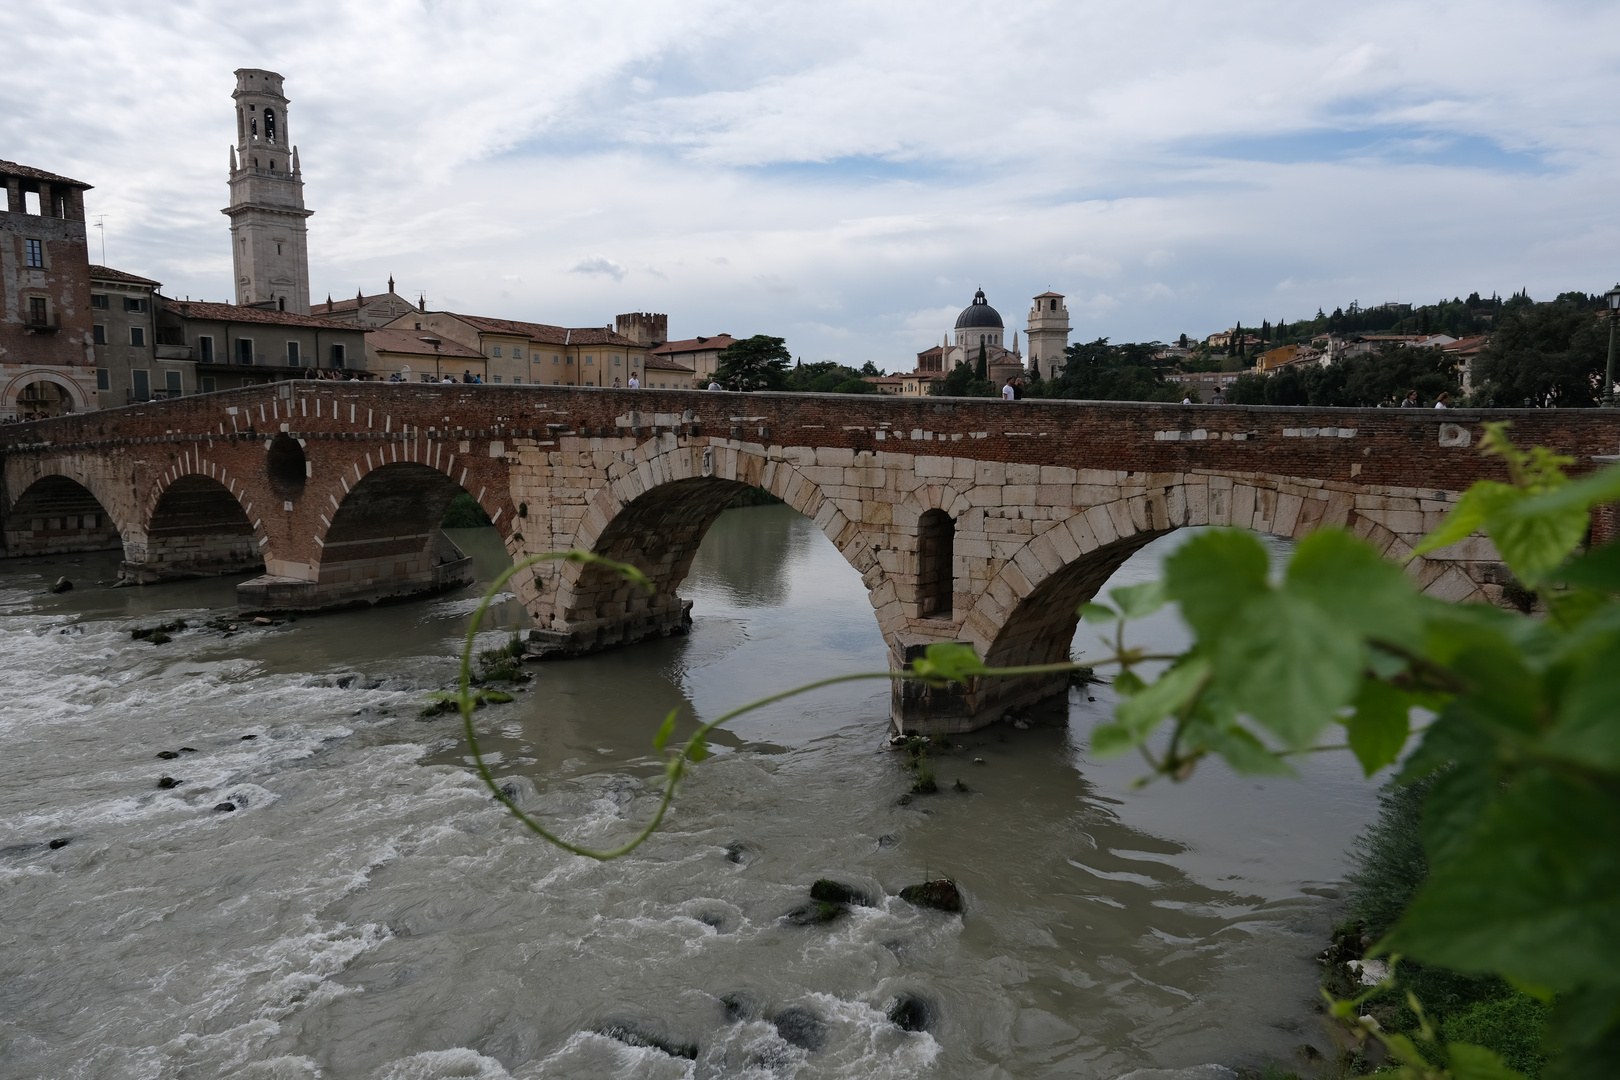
{"x": 1514, "y": 722}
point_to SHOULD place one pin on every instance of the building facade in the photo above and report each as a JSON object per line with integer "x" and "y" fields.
{"x": 125, "y": 308}
{"x": 269, "y": 237}
{"x": 377, "y": 310}
{"x": 524, "y": 353}
{"x": 47, "y": 355}
{"x": 700, "y": 356}
{"x": 230, "y": 345}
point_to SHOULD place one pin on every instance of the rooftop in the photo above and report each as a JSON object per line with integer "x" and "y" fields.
{"x": 546, "y": 334}
{"x": 397, "y": 339}
{"x": 697, "y": 344}
{"x": 28, "y": 172}
{"x": 107, "y": 273}
{"x": 198, "y": 309}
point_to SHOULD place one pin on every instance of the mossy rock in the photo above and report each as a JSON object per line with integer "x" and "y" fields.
{"x": 941, "y": 894}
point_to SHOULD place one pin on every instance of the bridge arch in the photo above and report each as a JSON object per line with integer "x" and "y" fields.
{"x": 198, "y": 526}
{"x": 1027, "y": 614}
{"x": 655, "y": 516}
{"x": 57, "y": 514}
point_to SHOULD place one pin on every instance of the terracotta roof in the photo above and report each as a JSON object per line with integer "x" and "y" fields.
{"x": 11, "y": 168}
{"x": 197, "y": 309}
{"x": 1467, "y": 344}
{"x": 107, "y": 273}
{"x": 1050, "y": 295}
{"x": 397, "y": 339}
{"x": 887, "y": 379}
{"x": 656, "y": 362}
{"x": 697, "y": 344}
{"x": 353, "y": 303}
{"x": 545, "y": 334}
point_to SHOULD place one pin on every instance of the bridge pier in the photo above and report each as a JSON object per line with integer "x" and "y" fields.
{"x": 365, "y": 573}
{"x": 56, "y": 516}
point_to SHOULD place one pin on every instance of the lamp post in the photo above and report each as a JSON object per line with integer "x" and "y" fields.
{"x": 1613, "y": 297}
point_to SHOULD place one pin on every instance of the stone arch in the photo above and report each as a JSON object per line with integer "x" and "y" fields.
{"x": 57, "y": 514}
{"x": 654, "y": 516}
{"x": 1027, "y": 615}
{"x": 75, "y": 394}
{"x": 198, "y": 526}
{"x": 383, "y": 540}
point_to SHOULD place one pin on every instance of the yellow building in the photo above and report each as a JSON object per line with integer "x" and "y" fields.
{"x": 524, "y": 353}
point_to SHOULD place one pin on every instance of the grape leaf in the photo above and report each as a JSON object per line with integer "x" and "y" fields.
{"x": 1139, "y": 601}
{"x": 1212, "y": 575}
{"x": 1288, "y": 664}
{"x": 1380, "y": 725}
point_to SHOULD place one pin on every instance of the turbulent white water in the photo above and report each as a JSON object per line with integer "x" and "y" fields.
{"x": 368, "y": 911}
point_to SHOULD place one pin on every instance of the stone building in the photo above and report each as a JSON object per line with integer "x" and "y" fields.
{"x": 980, "y": 327}
{"x": 1048, "y": 335}
{"x": 520, "y": 353}
{"x": 124, "y": 307}
{"x": 47, "y": 355}
{"x": 269, "y": 238}
{"x": 418, "y": 356}
{"x": 700, "y": 356}
{"x": 377, "y": 310}
{"x": 643, "y": 328}
{"x": 231, "y": 345}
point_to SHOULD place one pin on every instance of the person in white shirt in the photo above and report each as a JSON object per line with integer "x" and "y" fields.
{"x": 1187, "y": 400}
{"x": 1441, "y": 401}
{"x": 635, "y": 383}
{"x": 1007, "y": 392}
{"x": 714, "y": 385}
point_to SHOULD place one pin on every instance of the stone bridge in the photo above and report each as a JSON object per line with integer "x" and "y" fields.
{"x": 968, "y": 520}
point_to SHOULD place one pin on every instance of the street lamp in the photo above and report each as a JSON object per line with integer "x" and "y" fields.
{"x": 1613, "y": 297}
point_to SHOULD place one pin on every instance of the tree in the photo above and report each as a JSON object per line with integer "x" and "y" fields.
{"x": 961, "y": 381}
{"x": 1363, "y": 380}
{"x": 1544, "y": 355}
{"x": 755, "y": 363}
{"x": 1098, "y": 371}
{"x": 870, "y": 369}
{"x": 982, "y": 371}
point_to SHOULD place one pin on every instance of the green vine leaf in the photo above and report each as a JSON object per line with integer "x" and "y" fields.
{"x": 1139, "y": 601}
{"x": 1380, "y": 726}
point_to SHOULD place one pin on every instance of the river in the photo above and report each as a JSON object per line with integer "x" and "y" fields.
{"x": 368, "y": 911}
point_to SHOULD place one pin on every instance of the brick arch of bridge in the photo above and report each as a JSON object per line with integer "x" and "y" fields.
{"x": 655, "y": 515}
{"x": 62, "y": 509}
{"x": 200, "y": 492}
{"x": 1027, "y": 613}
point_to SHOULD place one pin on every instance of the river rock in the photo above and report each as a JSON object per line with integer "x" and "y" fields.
{"x": 167, "y": 782}
{"x": 167, "y": 755}
{"x": 836, "y": 892}
{"x": 910, "y": 1012}
{"x": 940, "y": 893}
{"x": 188, "y": 749}
{"x": 739, "y": 1006}
{"x": 62, "y": 585}
{"x": 801, "y": 1027}
{"x": 61, "y": 842}
{"x": 225, "y": 807}
{"x": 737, "y": 853}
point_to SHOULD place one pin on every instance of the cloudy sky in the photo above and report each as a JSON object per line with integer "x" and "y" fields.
{"x": 845, "y": 174}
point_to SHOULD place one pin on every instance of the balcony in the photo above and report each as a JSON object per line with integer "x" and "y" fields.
{"x": 173, "y": 352}
{"x": 41, "y": 323}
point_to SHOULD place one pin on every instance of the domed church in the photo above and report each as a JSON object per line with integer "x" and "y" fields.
{"x": 980, "y": 326}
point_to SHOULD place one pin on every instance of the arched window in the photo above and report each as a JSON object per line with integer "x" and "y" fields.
{"x": 269, "y": 125}
{"x": 936, "y": 535}
{"x": 281, "y": 303}
{"x": 253, "y": 128}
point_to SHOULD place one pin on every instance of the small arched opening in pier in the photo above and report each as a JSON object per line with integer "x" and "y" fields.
{"x": 936, "y": 534}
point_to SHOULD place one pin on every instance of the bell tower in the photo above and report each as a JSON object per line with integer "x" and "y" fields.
{"x": 269, "y": 240}
{"x": 1048, "y": 334}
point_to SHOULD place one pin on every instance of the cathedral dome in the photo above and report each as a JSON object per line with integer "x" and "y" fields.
{"x": 979, "y": 315}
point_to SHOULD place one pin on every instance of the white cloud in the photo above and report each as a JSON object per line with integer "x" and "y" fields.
{"x": 839, "y": 172}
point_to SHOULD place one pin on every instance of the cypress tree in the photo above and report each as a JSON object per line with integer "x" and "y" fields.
{"x": 983, "y": 370}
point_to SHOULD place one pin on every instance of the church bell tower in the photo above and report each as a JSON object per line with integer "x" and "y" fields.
{"x": 1048, "y": 334}
{"x": 269, "y": 241}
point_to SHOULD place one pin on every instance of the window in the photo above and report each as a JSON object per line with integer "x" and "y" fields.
{"x": 244, "y": 350}
{"x": 1054, "y": 305}
{"x": 339, "y": 355}
{"x": 137, "y": 336}
{"x": 517, "y": 353}
{"x": 936, "y": 533}
{"x": 555, "y": 359}
{"x": 31, "y": 203}
{"x": 556, "y": 382}
{"x": 205, "y": 349}
{"x": 496, "y": 351}
{"x": 142, "y": 381}
{"x": 36, "y": 250}
{"x": 517, "y": 380}
{"x": 281, "y": 303}
{"x": 100, "y": 334}
{"x": 419, "y": 326}
{"x": 497, "y": 378}
{"x": 278, "y": 246}
{"x": 171, "y": 383}
{"x": 134, "y": 303}
{"x": 590, "y": 360}
{"x": 292, "y": 354}
{"x": 103, "y": 378}
{"x": 616, "y": 361}
{"x": 269, "y": 125}
{"x": 99, "y": 300}
{"x": 207, "y": 384}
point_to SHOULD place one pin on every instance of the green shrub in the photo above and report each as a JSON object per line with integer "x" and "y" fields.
{"x": 464, "y": 513}
{"x": 1389, "y": 863}
{"x": 1513, "y": 1026}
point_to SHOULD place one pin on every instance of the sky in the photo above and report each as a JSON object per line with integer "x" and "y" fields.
{"x": 845, "y": 175}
